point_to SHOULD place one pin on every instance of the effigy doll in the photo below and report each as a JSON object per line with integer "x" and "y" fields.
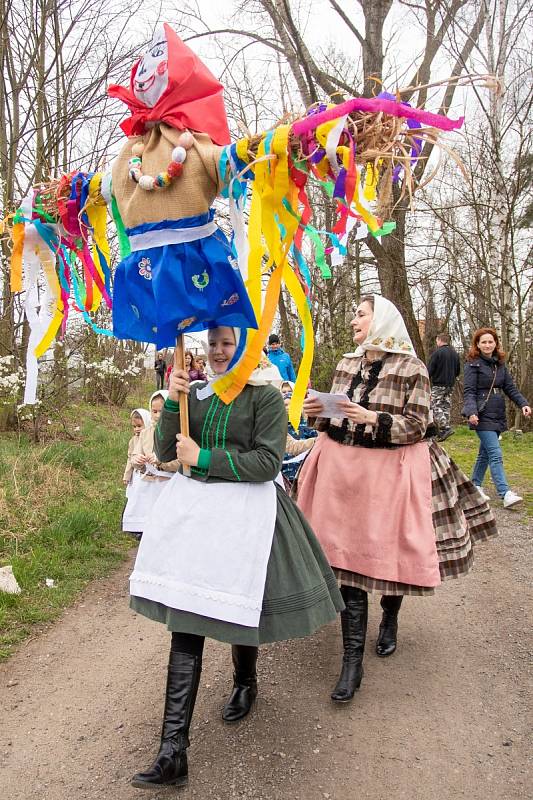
{"x": 180, "y": 275}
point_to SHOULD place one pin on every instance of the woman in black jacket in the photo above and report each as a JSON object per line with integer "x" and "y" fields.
{"x": 486, "y": 381}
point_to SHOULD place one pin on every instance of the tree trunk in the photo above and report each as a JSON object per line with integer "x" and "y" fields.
{"x": 390, "y": 258}
{"x": 6, "y": 315}
{"x": 376, "y": 12}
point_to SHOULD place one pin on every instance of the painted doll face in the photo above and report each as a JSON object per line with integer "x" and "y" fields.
{"x": 151, "y": 77}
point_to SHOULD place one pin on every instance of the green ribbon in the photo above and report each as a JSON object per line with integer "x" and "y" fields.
{"x": 320, "y": 252}
{"x": 387, "y": 227}
{"x": 123, "y": 241}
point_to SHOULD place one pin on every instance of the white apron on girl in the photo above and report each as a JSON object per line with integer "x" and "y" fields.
{"x": 205, "y": 549}
{"x": 142, "y": 497}
{"x": 143, "y": 492}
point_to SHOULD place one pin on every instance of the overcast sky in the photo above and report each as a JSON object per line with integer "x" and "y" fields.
{"x": 321, "y": 27}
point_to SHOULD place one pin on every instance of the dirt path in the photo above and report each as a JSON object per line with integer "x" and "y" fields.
{"x": 446, "y": 717}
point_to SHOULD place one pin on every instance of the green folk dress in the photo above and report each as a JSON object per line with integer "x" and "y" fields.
{"x": 245, "y": 442}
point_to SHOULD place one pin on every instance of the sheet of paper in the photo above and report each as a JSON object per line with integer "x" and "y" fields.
{"x": 151, "y": 470}
{"x": 331, "y": 403}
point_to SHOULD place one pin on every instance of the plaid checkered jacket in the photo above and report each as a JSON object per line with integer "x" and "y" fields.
{"x": 397, "y": 388}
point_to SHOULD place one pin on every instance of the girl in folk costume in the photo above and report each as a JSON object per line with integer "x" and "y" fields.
{"x": 180, "y": 274}
{"x": 252, "y": 572}
{"x": 140, "y": 419}
{"x": 393, "y": 512}
{"x": 146, "y": 486}
{"x": 145, "y": 452}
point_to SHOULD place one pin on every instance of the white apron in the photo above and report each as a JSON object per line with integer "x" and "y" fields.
{"x": 142, "y": 497}
{"x": 205, "y": 549}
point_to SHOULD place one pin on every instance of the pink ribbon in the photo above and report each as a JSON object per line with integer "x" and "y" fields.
{"x": 376, "y": 105}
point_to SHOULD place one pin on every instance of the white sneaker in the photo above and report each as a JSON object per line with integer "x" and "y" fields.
{"x": 483, "y": 494}
{"x": 511, "y": 499}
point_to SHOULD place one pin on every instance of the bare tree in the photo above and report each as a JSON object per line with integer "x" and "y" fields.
{"x": 481, "y": 246}
{"x": 54, "y": 113}
{"x": 56, "y": 59}
{"x": 279, "y": 25}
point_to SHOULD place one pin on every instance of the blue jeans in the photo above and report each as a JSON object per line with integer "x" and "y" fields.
{"x": 490, "y": 455}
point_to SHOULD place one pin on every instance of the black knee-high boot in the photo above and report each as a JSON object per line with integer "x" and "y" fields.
{"x": 353, "y": 621}
{"x": 244, "y": 690}
{"x": 388, "y": 629}
{"x": 170, "y": 766}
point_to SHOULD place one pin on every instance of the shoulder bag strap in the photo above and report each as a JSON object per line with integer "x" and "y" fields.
{"x": 486, "y": 400}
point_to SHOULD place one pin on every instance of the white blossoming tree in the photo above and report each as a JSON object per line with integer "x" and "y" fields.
{"x": 109, "y": 378}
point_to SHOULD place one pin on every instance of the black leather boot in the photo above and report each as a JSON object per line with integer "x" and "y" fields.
{"x": 170, "y": 766}
{"x": 244, "y": 691}
{"x": 388, "y": 629}
{"x": 353, "y": 621}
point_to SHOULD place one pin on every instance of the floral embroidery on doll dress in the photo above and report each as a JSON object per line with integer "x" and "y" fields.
{"x": 145, "y": 268}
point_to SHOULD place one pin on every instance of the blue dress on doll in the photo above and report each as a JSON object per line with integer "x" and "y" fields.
{"x": 189, "y": 283}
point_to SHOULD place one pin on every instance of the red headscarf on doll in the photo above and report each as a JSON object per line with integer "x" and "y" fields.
{"x": 170, "y": 84}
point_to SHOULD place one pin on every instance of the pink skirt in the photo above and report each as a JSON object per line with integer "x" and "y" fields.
{"x": 371, "y": 510}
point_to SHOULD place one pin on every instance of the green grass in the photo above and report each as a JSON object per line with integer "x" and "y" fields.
{"x": 517, "y": 460}
{"x": 60, "y": 510}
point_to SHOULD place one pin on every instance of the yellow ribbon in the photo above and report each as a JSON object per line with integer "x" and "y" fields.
{"x": 97, "y": 215}
{"x": 268, "y": 218}
{"x": 241, "y": 148}
{"x": 48, "y": 265}
{"x": 18, "y": 233}
{"x": 304, "y": 372}
{"x": 256, "y": 252}
{"x": 371, "y": 181}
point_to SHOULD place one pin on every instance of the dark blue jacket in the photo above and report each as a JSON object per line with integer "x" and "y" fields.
{"x": 478, "y": 375}
{"x": 282, "y": 361}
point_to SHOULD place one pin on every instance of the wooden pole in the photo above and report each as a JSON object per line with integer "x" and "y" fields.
{"x": 179, "y": 363}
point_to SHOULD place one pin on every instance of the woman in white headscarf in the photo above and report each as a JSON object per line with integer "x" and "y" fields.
{"x": 393, "y": 513}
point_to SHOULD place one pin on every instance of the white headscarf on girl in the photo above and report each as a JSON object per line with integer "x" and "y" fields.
{"x": 143, "y": 414}
{"x": 266, "y": 372}
{"x": 387, "y": 331}
{"x": 159, "y": 393}
{"x": 263, "y": 374}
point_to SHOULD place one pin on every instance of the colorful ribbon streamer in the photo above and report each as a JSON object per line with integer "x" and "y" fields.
{"x": 60, "y": 232}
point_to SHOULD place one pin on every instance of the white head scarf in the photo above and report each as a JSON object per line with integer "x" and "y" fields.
{"x": 387, "y": 331}
{"x": 144, "y": 415}
{"x": 263, "y": 374}
{"x": 162, "y": 392}
{"x": 266, "y": 372}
